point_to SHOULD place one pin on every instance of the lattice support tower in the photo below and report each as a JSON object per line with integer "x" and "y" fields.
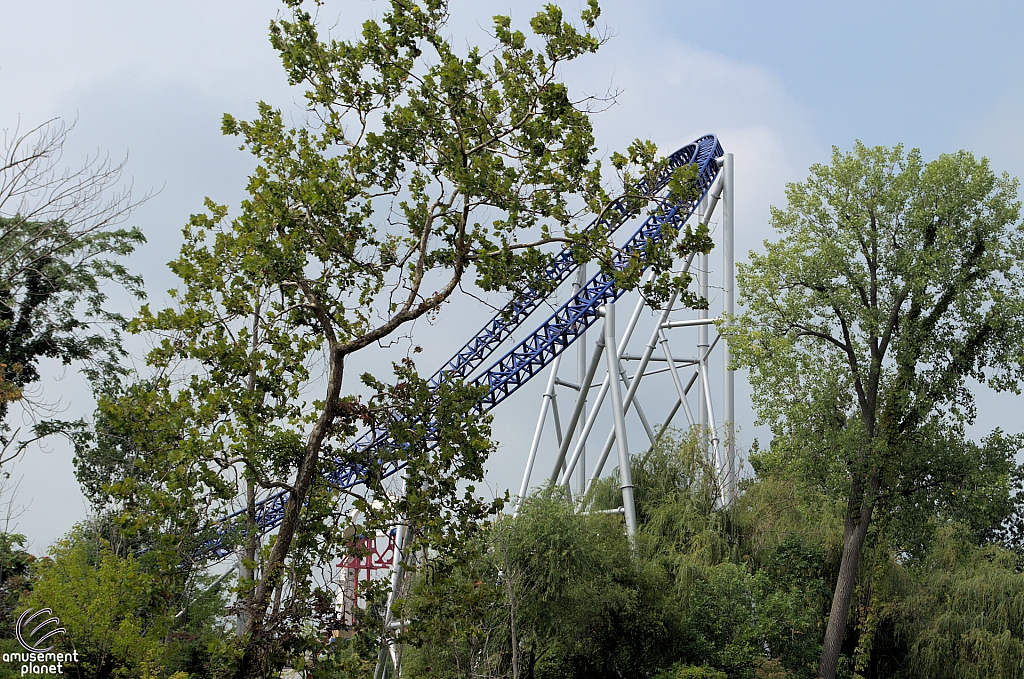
{"x": 592, "y": 300}
{"x": 599, "y": 406}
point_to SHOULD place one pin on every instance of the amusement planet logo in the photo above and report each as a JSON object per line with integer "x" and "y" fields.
{"x": 39, "y": 659}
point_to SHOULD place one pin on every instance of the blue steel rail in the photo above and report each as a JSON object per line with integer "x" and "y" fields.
{"x": 506, "y": 321}
{"x": 536, "y": 351}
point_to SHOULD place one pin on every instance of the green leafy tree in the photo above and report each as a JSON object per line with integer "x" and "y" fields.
{"x": 958, "y": 611}
{"x": 15, "y": 575}
{"x": 120, "y": 618}
{"x": 894, "y": 283}
{"x": 155, "y": 501}
{"x": 556, "y": 592}
{"x": 954, "y": 611}
{"x": 692, "y": 672}
{"x": 59, "y": 245}
{"x": 97, "y": 598}
{"x": 750, "y": 582}
{"x": 547, "y": 594}
{"x": 425, "y": 168}
{"x": 142, "y": 464}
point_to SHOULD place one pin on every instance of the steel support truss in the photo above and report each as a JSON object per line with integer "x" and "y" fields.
{"x": 618, "y": 392}
{"x": 532, "y": 354}
{"x": 591, "y": 300}
{"x": 690, "y": 376}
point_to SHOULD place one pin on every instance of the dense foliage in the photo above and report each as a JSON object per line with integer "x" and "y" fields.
{"x": 421, "y": 168}
{"x": 743, "y": 592}
{"x": 122, "y": 615}
{"x": 893, "y": 284}
{"x": 875, "y": 538}
{"x": 60, "y": 247}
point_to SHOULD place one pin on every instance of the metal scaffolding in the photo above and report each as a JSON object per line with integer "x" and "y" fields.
{"x": 588, "y": 411}
{"x": 610, "y": 349}
{"x": 591, "y": 300}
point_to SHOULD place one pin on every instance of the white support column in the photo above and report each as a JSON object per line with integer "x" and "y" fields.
{"x": 729, "y": 378}
{"x": 632, "y": 386}
{"x": 602, "y": 392}
{"x": 717, "y": 433}
{"x": 702, "y": 333}
{"x": 581, "y": 370}
{"x": 635, "y": 402}
{"x": 674, "y": 371}
{"x": 625, "y": 476}
{"x": 554, "y": 415}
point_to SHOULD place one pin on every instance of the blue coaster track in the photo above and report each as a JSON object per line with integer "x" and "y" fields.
{"x": 538, "y": 349}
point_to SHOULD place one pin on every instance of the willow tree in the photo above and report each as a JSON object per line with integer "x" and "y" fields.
{"x": 419, "y": 168}
{"x": 894, "y": 283}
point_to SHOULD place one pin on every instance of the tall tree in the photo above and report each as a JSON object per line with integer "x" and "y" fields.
{"x": 59, "y": 244}
{"x": 423, "y": 169}
{"x": 894, "y": 283}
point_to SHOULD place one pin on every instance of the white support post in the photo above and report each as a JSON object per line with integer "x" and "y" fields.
{"x": 396, "y": 579}
{"x": 635, "y": 402}
{"x": 632, "y": 386}
{"x": 729, "y": 378}
{"x": 549, "y": 392}
{"x": 573, "y": 439}
{"x": 711, "y": 432}
{"x": 602, "y": 392}
{"x": 625, "y": 476}
{"x": 591, "y": 419}
{"x": 674, "y": 370}
{"x": 581, "y": 370}
{"x": 702, "y": 333}
{"x": 554, "y": 415}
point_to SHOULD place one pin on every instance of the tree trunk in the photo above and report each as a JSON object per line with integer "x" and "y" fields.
{"x": 855, "y": 530}
{"x": 274, "y": 570}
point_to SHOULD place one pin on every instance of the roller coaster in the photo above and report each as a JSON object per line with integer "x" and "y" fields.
{"x": 590, "y": 301}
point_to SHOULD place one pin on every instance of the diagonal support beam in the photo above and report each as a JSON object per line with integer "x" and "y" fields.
{"x": 549, "y": 393}
{"x": 637, "y": 376}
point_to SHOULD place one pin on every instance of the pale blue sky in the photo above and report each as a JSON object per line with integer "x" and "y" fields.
{"x": 780, "y": 83}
